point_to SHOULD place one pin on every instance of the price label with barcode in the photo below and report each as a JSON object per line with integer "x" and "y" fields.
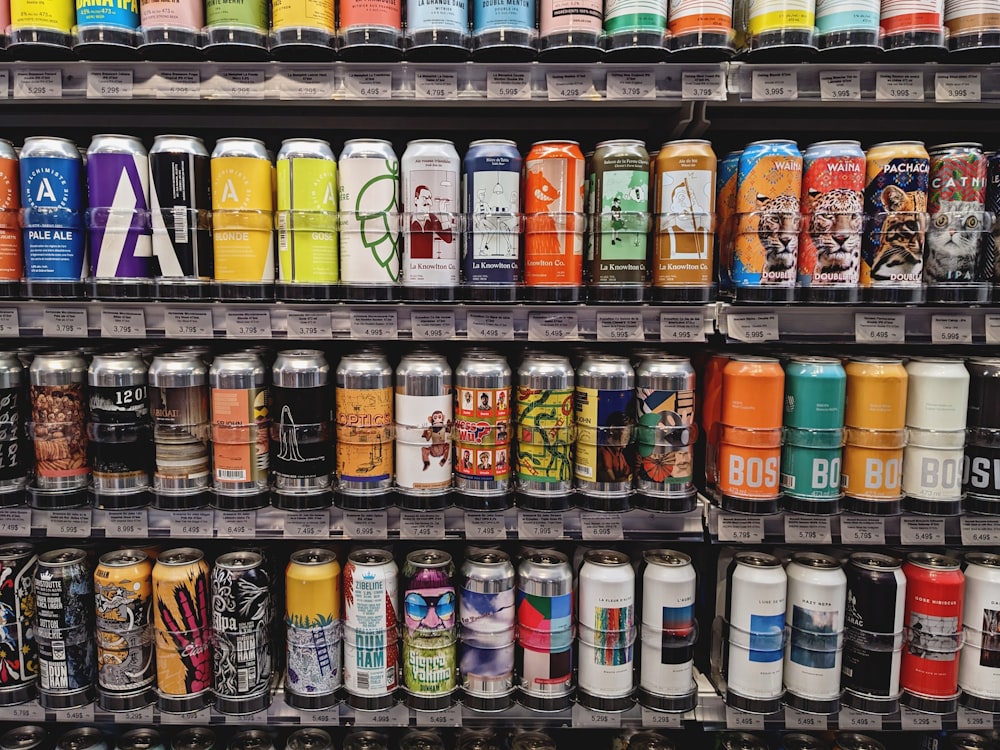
{"x": 238, "y": 524}
{"x": 879, "y": 328}
{"x": 741, "y": 720}
{"x": 65, "y": 322}
{"x": 306, "y": 83}
{"x": 921, "y": 531}
{"x": 539, "y": 526}
{"x": 437, "y": 325}
{"x": 309, "y": 325}
{"x": 741, "y": 529}
{"x": 366, "y": 524}
{"x": 177, "y": 83}
{"x": 840, "y": 86}
{"x": 682, "y": 327}
{"x": 983, "y": 530}
{"x": 553, "y": 327}
{"x": 483, "y": 325}
{"x": 753, "y": 328}
{"x": 9, "y": 323}
{"x": 917, "y": 721}
{"x": 799, "y": 720}
{"x": 38, "y": 84}
{"x": 421, "y": 525}
{"x": 15, "y": 522}
{"x": 502, "y": 84}
{"x": 899, "y": 87}
{"x": 951, "y": 329}
{"x": 188, "y": 323}
{"x": 707, "y": 85}
{"x": 373, "y": 84}
{"x": 240, "y": 83}
{"x": 374, "y": 326}
{"x": 774, "y": 86}
{"x": 248, "y": 324}
{"x": 485, "y": 525}
{"x": 861, "y": 530}
{"x": 958, "y": 87}
{"x": 129, "y": 324}
{"x": 613, "y": 326}
{"x": 109, "y": 84}
{"x": 601, "y": 527}
{"x": 124, "y": 523}
{"x": 631, "y": 85}
{"x": 436, "y": 85}
{"x": 848, "y": 718}
{"x": 969, "y": 719}
{"x": 307, "y": 524}
{"x": 193, "y": 524}
{"x": 807, "y": 530}
{"x": 69, "y": 523}
{"x": 565, "y": 86}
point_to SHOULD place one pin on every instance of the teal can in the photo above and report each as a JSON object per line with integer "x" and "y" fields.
{"x": 815, "y": 393}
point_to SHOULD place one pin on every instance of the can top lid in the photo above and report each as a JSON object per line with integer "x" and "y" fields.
{"x": 878, "y": 360}
{"x": 15, "y": 550}
{"x": 193, "y": 738}
{"x": 77, "y": 739}
{"x": 556, "y": 143}
{"x": 666, "y": 557}
{"x": 306, "y": 140}
{"x": 430, "y": 140}
{"x": 122, "y": 558}
{"x": 938, "y": 361}
{"x": 815, "y": 560}
{"x": 968, "y": 741}
{"x": 606, "y": 557}
{"x": 773, "y": 141}
{"x": 315, "y": 556}
{"x": 986, "y": 559}
{"x": 757, "y": 559}
{"x": 649, "y": 741}
{"x": 301, "y": 353}
{"x": 421, "y": 739}
{"x": 932, "y": 561}
{"x": 242, "y": 560}
{"x": 477, "y": 739}
{"x": 133, "y": 138}
{"x": 855, "y": 741}
{"x": 622, "y": 141}
{"x": 488, "y": 557}
{"x": 23, "y": 738}
{"x": 369, "y": 140}
{"x": 897, "y": 143}
{"x": 309, "y": 739}
{"x": 239, "y": 140}
{"x": 167, "y": 136}
{"x": 938, "y": 147}
{"x": 370, "y": 557}
{"x": 141, "y": 738}
{"x": 874, "y": 561}
{"x": 834, "y": 142}
{"x": 548, "y": 557}
{"x": 801, "y": 741}
{"x": 180, "y": 556}
{"x": 428, "y": 558}
{"x": 741, "y": 741}
{"x": 250, "y": 739}
{"x": 753, "y": 358}
{"x": 995, "y": 361}
{"x": 49, "y": 138}
{"x": 686, "y": 141}
{"x": 365, "y": 740}
{"x": 57, "y": 558}
{"x": 809, "y": 359}
{"x": 494, "y": 142}
{"x": 59, "y": 354}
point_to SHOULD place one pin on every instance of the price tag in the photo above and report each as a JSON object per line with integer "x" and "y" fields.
{"x": 740, "y": 720}
{"x": 485, "y": 525}
{"x": 969, "y": 719}
{"x": 539, "y": 526}
{"x": 958, "y": 87}
{"x": 774, "y": 86}
{"x": 753, "y": 328}
{"x": 370, "y": 326}
{"x": 178, "y": 83}
{"x": 309, "y": 325}
{"x": 416, "y": 524}
{"x": 308, "y": 524}
{"x": 136, "y": 716}
{"x": 190, "y": 718}
{"x": 601, "y": 527}
{"x": 9, "y": 322}
{"x": 69, "y": 523}
{"x": 661, "y": 719}
{"x": 64, "y": 322}
{"x": 449, "y": 717}
{"x": 631, "y": 85}
{"x": 240, "y": 83}
{"x": 397, "y": 716}
{"x": 585, "y": 717}
{"x": 798, "y": 720}
{"x": 553, "y": 327}
{"x": 109, "y": 84}
{"x": 436, "y": 85}
{"x": 238, "y": 524}
{"x": 4, "y": 84}
{"x": 257, "y": 719}
{"x": 38, "y": 84}
{"x": 840, "y": 86}
{"x": 613, "y": 326}
{"x": 564, "y": 86}
{"x": 483, "y": 325}
{"x": 365, "y": 524}
{"x": 862, "y": 530}
{"x": 921, "y": 530}
{"x": 501, "y": 84}
{"x": 708, "y": 85}
{"x": 433, "y": 326}
{"x": 193, "y": 524}
{"x": 188, "y": 324}
{"x": 325, "y": 718}
{"x": 15, "y": 522}
{"x": 992, "y": 329}
{"x": 26, "y": 712}
{"x": 807, "y": 530}
{"x": 682, "y": 327}
{"x": 306, "y": 83}
{"x": 742, "y": 529}
{"x": 980, "y": 531}
{"x": 83, "y": 714}
{"x": 848, "y": 718}
{"x": 248, "y": 324}
{"x": 951, "y": 329}
{"x": 915, "y": 721}
{"x": 369, "y": 84}
{"x": 125, "y": 523}
{"x": 899, "y": 87}
{"x": 880, "y": 328}
{"x": 129, "y": 324}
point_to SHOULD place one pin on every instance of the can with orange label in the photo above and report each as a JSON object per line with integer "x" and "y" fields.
{"x": 371, "y": 31}
{"x": 725, "y": 216}
{"x": 749, "y": 434}
{"x": 711, "y": 407}
{"x": 875, "y": 418}
{"x": 554, "y": 181}
{"x": 11, "y": 259}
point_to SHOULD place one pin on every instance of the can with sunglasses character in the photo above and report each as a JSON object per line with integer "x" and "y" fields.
{"x": 371, "y": 629}
{"x": 486, "y": 612}
{"x": 429, "y": 639}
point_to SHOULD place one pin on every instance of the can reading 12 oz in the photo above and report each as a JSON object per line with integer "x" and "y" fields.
{"x": 371, "y": 629}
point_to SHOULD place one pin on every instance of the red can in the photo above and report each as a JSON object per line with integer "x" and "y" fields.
{"x": 711, "y": 410}
{"x": 935, "y": 594}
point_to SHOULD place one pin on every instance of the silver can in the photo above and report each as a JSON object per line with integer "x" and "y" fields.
{"x": 26, "y": 737}
{"x": 368, "y": 173}
{"x": 309, "y": 739}
{"x": 477, "y": 739}
{"x": 545, "y": 421}
{"x": 421, "y": 739}
{"x": 431, "y": 174}
{"x": 486, "y": 615}
{"x": 668, "y": 631}
{"x": 665, "y": 433}
{"x": 606, "y": 622}
{"x": 84, "y": 738}
{"x": 424, "y": 421}
{"x": 143, "y": 738}
{"x": 604, "y": 408}
{"x": 251, "y": 739}
{"x": 301, "y": 430}
{"x": 482, "y": 430}
{"x": 15, "y": 461}
{"x": 365, "y": 430}
{"x": 532, "y": 741}
{"x": 58, "y": 430}
{"x": 178, "y": 399}
{"x": 366, "y": 740}
{"x": 195, "y": 738}
{"x": 240, "y": 431}
{"x": 979, "y": 663}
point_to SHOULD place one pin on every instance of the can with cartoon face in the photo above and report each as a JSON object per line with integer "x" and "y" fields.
{"x": 430, "y": 655}
{"x": 482, "y": 431}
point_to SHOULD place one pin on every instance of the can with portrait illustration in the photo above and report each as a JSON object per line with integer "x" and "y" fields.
{"x": 237, "y": 29}
{"x": 570, "y": 33}
{"x": 41, "y": 30}
{"x": 430, "y": 652}
{"x": 848, "y": 32}
{"x": 980, "y": 475}
{"x": 486, "y": 616}
{"x": 371, "y": 629}
{"x": 482, "y": 431}
{"x": 302, "y": 30}
{"x": 979, "y": 663}
{"x": 171, "y": 30}
{"x": 19, "y": 681}
{"x": 913, "y": 31}
{"x": 11, "y": 255}
{"x": 504, "y": 30}
{"x": 372, "y": 32}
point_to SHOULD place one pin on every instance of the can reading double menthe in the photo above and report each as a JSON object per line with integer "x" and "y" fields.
{"x": 430, "y": 654}
{"x": 19, "y": 681}
{"x": 979, "y": 663}
{"x": 313, "y": 673}
{"x": 15, "y": 451}
{"x": 486, "y": 615}
{"x": 503, "y": 31}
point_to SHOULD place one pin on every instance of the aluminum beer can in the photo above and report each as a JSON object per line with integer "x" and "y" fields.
{"x": 421, "y": 739}
{"x": 105, "y": 30}
{"x": 833, "y": 184}
{"x": 195, "y": 738}
{"x": 371, "y": 629}
{"x": 817, "y": 590}
{"x": 18, "y": 682}
{"x": 935, "y": 590}
{"x": 48, "y": 23}
{"x": 437, "y": 31}
{"x": 979, "y": 663}
{"x": 913, "y": 28}
{"x": 684, "y": 174}
{"x": 430, "y": 664}
{"x": 25, "y": 737}
{"x": 59, "y": 436}
{"x": 64, "y": 626}
{"x": 668, "y": 631}
{"x": 766, "y": 238}
{"x": 309, "y": 739}
{"x": 486, "y": 616}
{"x": 241, "y": 621}
{"x": 482, "y": 430}
{"x": 242, "y": 215}
{"x": 53, "y": 200}
{"x": 701, "y": 29}
{"x": 369, "y": 208}
{"x": 725, "y": 217}
{"x": 308, "y": 261}
{"x": 366, "y": 740}
{"x": 853, "y": 741}
{"x": 171, "y": 27}
{"x": 242, "y": 23}
{"x": 604, "y": 402}
{"x": 545, "y": 424}
{"x": 143, "y": 738}
{"x": 778, "y": 27}
{"x": 370, "y": 32}
{"x": 855, "y": 28}
{"x": 546, "y": 630}
{"x": 492, "y": 206}
{"x": 302, "y": 29}
{"x": 182, "y": 619}
{"x": 181, "y": 215}
{"x": 988, "y": 267}
{"x": 892, "y": 255}
{"x": 11, "y": 254}
{"x": 981, "y": 469}
{"x": 84, "y": 738}
{"x": 554, "y": 179}
{"x": 620, "y": 222}
{"x": 607, "y": 631}
{"x": 532, "y": 741}
{"x": 15, "y": 458}
{"x": 178, "y": 402}
{"x": 424, "y": 421}
{"x": 123, "y": 600}
{"x": 636, "y": 29}
{"x": 572, "y": 33}
{"x": 972, "y": 29}
{"x": 477, "y": 739}
{"x": 365, "y": 429}
{"x": 240, "y": 431}
{"x": 251, "y": 739}
{"x": 755, "y": 606}
{"x": 504, "y": 30}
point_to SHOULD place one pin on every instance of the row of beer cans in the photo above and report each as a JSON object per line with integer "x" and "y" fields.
{"x": 142, "y": 627}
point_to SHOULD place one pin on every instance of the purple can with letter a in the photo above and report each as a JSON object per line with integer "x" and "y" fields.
{"x": 118, "y": 220}
{"x": 492, "y": 192}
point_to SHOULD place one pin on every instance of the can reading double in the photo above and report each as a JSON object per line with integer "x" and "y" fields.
{"x": 430, "y": 653}
{"x": 486, "y": 617}
{"x": 482, "y": 431}
{"x": 504, "y": 31}
{"x": 19, "y": 681}
{"x": 371, "y": 629}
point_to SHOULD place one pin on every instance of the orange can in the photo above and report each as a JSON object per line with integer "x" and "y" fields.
{"x": 11, "y": 258}
{"x": 876, "y": 393}
{"x": 753, "y": 393}
{"x": 871, "y": 478}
